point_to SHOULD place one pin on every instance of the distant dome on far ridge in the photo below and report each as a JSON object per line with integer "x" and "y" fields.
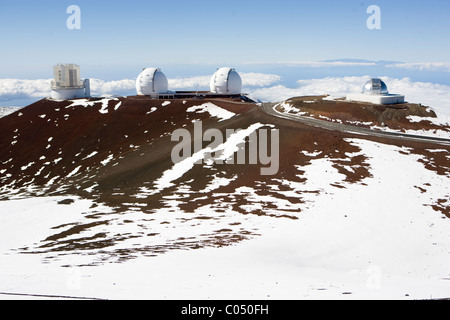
{"x": 375, "y": 86}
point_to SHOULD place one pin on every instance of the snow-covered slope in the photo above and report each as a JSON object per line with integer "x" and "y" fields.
{"x": 92, "y": 206}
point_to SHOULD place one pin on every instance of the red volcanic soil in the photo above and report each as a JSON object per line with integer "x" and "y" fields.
{"x": 366, "y": 114}
{"x": 113, "y": 151}
{"x": 54, "y": 139}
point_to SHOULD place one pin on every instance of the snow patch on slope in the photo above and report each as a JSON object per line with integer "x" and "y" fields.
{"x": 87, "y": 103}
{"x": 227, "y": 149}
{"x": 213, "y": 110}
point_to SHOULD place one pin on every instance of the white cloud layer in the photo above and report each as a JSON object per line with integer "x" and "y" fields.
{"x": 258, "y": 85}
{"x": 423, "y": 66}
{"x": 190, "y": 83}
{"x": 18, "y": 89}
{"x": 333, "y": 86}
{"x": 40, "y": 88}
{"x": 259, "y": 79}
{"x": 250, "y": 79}
{"x": 120, "y": 87}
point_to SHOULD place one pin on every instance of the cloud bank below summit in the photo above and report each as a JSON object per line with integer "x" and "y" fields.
{"x": 423, "y": 66}
{"x": 40, "y": 88}
{"x": 265, "y": 87}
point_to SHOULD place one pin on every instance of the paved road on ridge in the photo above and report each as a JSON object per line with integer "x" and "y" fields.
{"x": 332, "y": 126}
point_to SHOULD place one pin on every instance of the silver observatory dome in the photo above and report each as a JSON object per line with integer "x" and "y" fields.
{"x": 375, "y": 86}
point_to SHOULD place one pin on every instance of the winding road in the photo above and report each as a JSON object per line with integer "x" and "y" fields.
{"x": 269, "y": 108}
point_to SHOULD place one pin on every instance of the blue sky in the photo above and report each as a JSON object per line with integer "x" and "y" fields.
{"x": 124, "y": 35}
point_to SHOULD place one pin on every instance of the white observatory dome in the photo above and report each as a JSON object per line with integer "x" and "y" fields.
{"x": 375, "y": 86}
{"x": 151, "y": 82}
{"x": 226, "y": 81}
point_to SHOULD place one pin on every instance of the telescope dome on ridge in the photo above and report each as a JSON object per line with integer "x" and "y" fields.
{"x": 375, "y": 86}
{"x": 151, "y": 82}
{"x": 376, "y": 91}
{"x": 226, "y": 81}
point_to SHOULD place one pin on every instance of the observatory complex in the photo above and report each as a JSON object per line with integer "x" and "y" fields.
{"x": 225, "y": 83}
{"x": 151, "y": 83}
{"x": 67, "y": 83}
{"x": 376, "y": 91}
